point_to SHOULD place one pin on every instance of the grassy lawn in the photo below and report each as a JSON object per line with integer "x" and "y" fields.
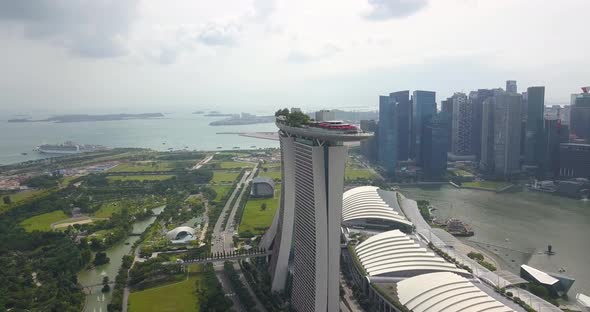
{"x": 256, "y": 220}
{"x": 221, "y": 190}
{"x": 462, "y": 173}
{"x": 20, "y": 197}
{"x": 235, "y": 165}
{"x": 107, "y": 208}
{"x": 488, "y": 185}
{"x": 274, "y": 174}
{"x": 43, "y": 222}
{"x": 223, "y": 176}
{"x": 351, "y": 173}
{"x": 141, "y": 177}
{"x": 142, "y": 166}
{"x": 174, "y": 297}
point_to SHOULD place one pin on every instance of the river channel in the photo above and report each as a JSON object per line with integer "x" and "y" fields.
{"x": 96, "y": 301}
{"x": 517, "y": 227}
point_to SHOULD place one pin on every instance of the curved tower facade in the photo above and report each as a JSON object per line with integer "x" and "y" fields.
{"x": 310, "y": 215}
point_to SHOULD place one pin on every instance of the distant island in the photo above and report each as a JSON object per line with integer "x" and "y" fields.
{"x": 243, "y": 119}
{"x": 216, "y": 114}
{"x": 198, "y": 112}
{"x": 84, "y": 117}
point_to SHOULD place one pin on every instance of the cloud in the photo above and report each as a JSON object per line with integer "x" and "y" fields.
{"x": 393, "y": 9}
{"x": 263, "y": 9}
{"x": 300, "y": 56}
{"x": 94, "y": 29}
{"x": 218, "y": 34}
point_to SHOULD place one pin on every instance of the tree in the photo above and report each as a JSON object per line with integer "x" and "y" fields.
{"x": 101, "y": 258}
{"x": 7, "y": 200}
{"x": 105, "y": 284}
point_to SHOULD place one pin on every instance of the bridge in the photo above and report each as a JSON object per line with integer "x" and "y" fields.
{"x": 227, "y": 257}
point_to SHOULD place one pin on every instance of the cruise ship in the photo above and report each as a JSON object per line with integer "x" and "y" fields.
{"x": 67, "y": 148}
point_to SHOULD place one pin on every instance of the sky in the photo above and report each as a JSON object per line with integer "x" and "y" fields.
{"x": 62, "y": 56}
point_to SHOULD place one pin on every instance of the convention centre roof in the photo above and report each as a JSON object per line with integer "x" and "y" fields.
{"x": 364, "y": 202}
{"x": 394, "y": 253}
{"x": 444, "y": 291}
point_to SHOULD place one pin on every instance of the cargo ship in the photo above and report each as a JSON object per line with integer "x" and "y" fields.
{"x": 67, "y": 148}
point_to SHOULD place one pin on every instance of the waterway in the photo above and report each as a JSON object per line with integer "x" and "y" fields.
{"x": 96, "y": 301}
{"x": 517, "y": 227}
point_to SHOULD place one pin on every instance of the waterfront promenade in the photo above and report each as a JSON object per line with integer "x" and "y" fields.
{"x": 426, "y": 233}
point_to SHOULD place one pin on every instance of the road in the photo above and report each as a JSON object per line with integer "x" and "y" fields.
{"x": 226, "y": 286}
{"x": 202, "y": 162}
{"x": 218, "y": 236}
{"x": 222, "y": 238}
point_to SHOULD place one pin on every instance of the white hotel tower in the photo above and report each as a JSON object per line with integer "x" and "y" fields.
{"x": 308, "y": 222}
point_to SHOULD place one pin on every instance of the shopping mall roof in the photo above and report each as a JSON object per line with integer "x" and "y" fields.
{"x": 395, "y": 254}
{"x": 444, "y": 291}
{"x": 364, "y": 202}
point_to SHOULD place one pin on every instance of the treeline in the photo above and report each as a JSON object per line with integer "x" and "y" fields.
{"x": 116, "y": 304}
{"x": 257, "y": 275}
{"x": 38, "y": 271}
{"x": 210, "y": 293}
{"x": 241, "y": 290}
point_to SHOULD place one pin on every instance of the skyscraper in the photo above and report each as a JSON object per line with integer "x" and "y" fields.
{"x": 446, "y": 106}
{"x": 313, "y": 161}
{"x": 507, "y": 133}
{"x": 369, "y": 146}
{"x": 435, "y": 141}
{"x": 387, "y": 144}
{"x": 580, "y": 118}
{"x": 423, "y": 108}
{"x": 404, "y": 120}
{"x": 477, "y": 98}
{"x": 462, "y": 123}
{"x": 511, "y": 86}
{"x": 533, "y": 145}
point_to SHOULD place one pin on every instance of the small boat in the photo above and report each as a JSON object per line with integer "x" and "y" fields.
{"x": 219, "y": 147}
{"x": 24, "y": 153}
{"x": 163, "y": 143}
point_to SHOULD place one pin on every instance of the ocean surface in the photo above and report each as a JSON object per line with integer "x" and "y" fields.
{"x": 176, "y": 131}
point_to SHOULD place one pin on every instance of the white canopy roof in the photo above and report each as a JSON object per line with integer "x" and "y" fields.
{"x": 364, "y": 202}
{"x": 444, "y": 291}
{"x": 174, "y": 233}
{"x": 394, "y": 251}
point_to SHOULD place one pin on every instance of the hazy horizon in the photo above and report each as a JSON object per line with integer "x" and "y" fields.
{"x": 137, "y": 56}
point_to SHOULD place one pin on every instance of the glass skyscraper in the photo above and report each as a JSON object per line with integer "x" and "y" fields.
{"x": 423, "y": 108}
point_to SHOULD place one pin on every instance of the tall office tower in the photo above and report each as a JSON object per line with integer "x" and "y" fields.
{"x": 565, "y": 115}
{"x": 423, "y": 108}
{"x": 446, "y": 106}
{"x": 580, "y": 118}
{"x": 507, "y": 133}
{"x": 325, "y": 115}
{"x": 404, "y": 116}
{"x": 435, "y": 141}
{"x": 461, "y": 125}
{"x": 313, "y": 161}
{"x": 511, "y": 86}
{"x": 369, "y": 146}
{"x": 573, "y": 98}
{"x": 486, "y": 161}
{"x": 387, "y": 144}
{"x": 554, "y": 134}
{"x": 477, "y": 98}
{"x": 533, "y": 142}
